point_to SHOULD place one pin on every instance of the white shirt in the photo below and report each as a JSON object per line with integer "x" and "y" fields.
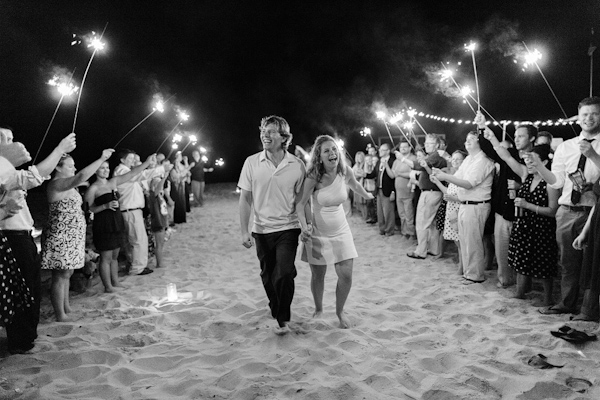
{"x": 565, "y": 161}
{"x": 132, "y": 194}
{"x": 274, "y": 191}
{"x": 478, "y": 170}
{"x": 13, "y": 185}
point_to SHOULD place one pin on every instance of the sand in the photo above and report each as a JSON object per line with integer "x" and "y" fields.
{"x": 417, "y": 332}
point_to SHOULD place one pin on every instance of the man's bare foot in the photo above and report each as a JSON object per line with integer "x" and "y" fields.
{"x": 113, "y": 289}
{"x": 317, "y": 314}
{"x": 282, "y": 330}
{"x": 344, "y": 323}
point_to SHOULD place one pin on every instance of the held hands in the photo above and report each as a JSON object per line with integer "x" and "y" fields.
{"x": 438, "y": 173}
{"x": 450, "y": 197}
{"x": 306, "y": 233}
{"x": 434, "y": 179}
{"x": 113, "y": 205}
{"x": 106, "y": 154}
{"x": 68, "y": 144}
{"x": 247, "y": 240}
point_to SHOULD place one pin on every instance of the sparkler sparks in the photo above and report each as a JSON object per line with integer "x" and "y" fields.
{"x": 396, "y": 117}
{"x": 64, "y": 88}
{"x": 380, "y": 114}
{"x": 159, "y": 106}
{"x": 219, "y": 162}
{"x": 471, "y": 47}
{"x": 531, "y": 58}
{"x": 204, "y": 159}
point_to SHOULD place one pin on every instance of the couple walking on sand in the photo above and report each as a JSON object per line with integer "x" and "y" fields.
{"x": 277, "y": 187}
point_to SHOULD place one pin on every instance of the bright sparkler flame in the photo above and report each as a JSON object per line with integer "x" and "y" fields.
{"x": 202, "y": 150}
{"x": 159, "y": 106}
{"x": 340, "y": 143}
{"x": 465, "y": 91}
{"x": 177, "y": 138}
{"x": 193, "y": 139}
{"x": 204, "y": 159}
{"x": 380, "y": 114}
{"x": 219, "y": 162}
{"x": 531, "y": 58}
{"x": 96, "y": 43}
{"x": 411, "y": 113}
{"x": 365, "y": 131}
{"x": 174, "y": 146}
{"x": 184, "y": 116}
{"x": 471, "y": 46}
{"x": 408, "y": 125}
{"x": 446, "y": 74}
{"x": 396, "y": 117}
{"x": 65, "y": 89}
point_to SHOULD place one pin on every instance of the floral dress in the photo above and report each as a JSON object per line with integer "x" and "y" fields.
{"x": 63, "y": 239}
{"x": 532, "y": 250}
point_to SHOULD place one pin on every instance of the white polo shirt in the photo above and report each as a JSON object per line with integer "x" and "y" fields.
{"x": 13, "y": 185}
{"x": 274, "y": 191}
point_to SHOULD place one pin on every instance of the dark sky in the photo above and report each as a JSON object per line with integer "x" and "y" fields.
{"x": 324, "y": 66}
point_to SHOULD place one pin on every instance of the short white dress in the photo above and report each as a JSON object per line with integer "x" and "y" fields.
{"x": 331, "y": 240}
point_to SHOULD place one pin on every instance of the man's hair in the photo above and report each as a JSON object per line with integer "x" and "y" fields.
{"x": 545, "y": 134}
{"x": 282, "y": 127}
{"x": 589, "y": 101}
{"x": 410, "y": 148}
{"x": 124, "y": 153}
{"x": 434, "y": 137}
{"x": 386, "y": 144}
{"x": 532, "y": 131}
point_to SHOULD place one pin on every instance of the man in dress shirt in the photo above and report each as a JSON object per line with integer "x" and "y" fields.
{"x": 22, "y": 331}
{"x": 132, "y": 203}
{"x": 474, "y": 179}
{"x": 429, "y": 239}
{"x": 386, "y": 217}
{"x": 574, "y": 205}
{"x": 271, "y": 184}
{"x": 404, "y": 193}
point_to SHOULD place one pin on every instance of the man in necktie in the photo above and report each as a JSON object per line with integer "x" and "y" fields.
{"x": 576, "y": 164}
{"x": 386, "y": 215}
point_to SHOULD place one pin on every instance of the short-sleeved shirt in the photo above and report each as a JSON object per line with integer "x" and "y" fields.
{"x": 479, "y": 171}
{"x": 434, "y": 160}
{"x": 402, "y": 189}
{"x": 565, "y": 161}
{"x": 274, "y": 191}
{"x": 198, "y": 171}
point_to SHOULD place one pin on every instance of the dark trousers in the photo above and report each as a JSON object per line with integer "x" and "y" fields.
{"x": 22, "y": 331}
{"x": 276, "y": 252}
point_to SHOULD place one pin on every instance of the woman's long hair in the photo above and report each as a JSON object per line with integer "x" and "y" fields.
{"x": 316, "y": 170}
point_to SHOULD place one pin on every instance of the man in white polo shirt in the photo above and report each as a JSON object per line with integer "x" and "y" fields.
{"x": 271, "y": 186}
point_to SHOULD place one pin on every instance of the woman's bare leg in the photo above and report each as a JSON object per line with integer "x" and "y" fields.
{"x": 344, "y": 284}
{"x": 317, "y": 287}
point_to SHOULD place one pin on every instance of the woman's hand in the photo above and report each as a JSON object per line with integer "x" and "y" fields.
{"x": 113, "y": 205}
{"x": 306, "y": 232}
{"x": 451, "y": 197}
{"x": 106, "y": 154}
{"x": 521, "y": 202}
{"x": 579, "y": 242}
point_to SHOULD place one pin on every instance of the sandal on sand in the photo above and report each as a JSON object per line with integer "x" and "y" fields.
{"x": 579, "y": 385}
{"x": 467, "y": 281}
{"x": 541, "y": 361}
{"x": 412, "y": 254}
{"x": 572, "y": 335}
{"x": 552, "y": 310}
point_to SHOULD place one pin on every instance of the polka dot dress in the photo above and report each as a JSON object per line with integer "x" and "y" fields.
{"x": 532, "y": 250}
{"x": 14, "y": 293}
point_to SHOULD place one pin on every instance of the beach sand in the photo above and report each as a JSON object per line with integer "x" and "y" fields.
{"x": 417, "y": 332}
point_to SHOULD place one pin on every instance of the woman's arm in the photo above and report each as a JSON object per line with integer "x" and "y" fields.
{"x": 64, "y": 184}
{"x": 549, "y": 211}
{"x": 357, "y": 187}
{"x": 301, "y": 207}
{"x": 90, "y": 197}
{"x": 580, "y": 240}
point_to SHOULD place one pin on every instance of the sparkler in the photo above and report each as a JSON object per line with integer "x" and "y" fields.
{"x": 219, "y": 162}
{"x": 65, "y": 89}
{"x": 532, "y": 58}
{"x": 158, "y": 106}
{"x": 97, "y": 44}
{"x": 471, "y": 47}
{"x": 192, "y": 139}
{"x": 381, "y": 115}
{"x": 183, "y": 116}
{"x": 367, "y": 132}
{"x": 464, "y": 90}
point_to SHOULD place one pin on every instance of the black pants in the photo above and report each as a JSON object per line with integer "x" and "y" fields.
{"x": 276, "y": 253}
{"x": 22, "y": 331}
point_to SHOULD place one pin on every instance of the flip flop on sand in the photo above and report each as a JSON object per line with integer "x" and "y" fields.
{"x": 552, "y": 310}
{"x": 579, "y": 385}
{"x": 572, "y": 335}
{"x": 541, "y": 361}
{"x": 416, "y": 256}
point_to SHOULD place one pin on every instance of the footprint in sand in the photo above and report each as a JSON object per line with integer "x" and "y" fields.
{"x": 57, "y": 330}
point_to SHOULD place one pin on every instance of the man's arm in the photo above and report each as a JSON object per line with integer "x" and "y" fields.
{"x": 245, "y": 212}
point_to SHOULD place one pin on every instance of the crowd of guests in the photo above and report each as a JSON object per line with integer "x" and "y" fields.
{"x": 516, "y": 202}
{"x": 131, "y": 211}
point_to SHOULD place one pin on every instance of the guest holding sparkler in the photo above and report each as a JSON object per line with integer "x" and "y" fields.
{"x": 109, "y": 229}
{"x": 63, "y": 238}
{"x": 131, "y": 204}
{"x": 198, "y": 169}
{"x": 22, "y": 331}
{"x": 328, "y": 237}
{"x": 404, "y": 194}
{"x": 359, "y": 173}
{"x": 177, "y": 178}
{"x": 159, "y": 215}
{"x": 575, "y": 167}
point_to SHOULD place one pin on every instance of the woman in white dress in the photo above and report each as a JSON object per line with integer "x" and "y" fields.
{"x": 327, "y": 236}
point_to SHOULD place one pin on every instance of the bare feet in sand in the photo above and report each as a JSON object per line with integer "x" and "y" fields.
{"x": 317, "y": 314}
{"x": 64, "y": 318}
{"x": 344, "y": 323}
{"x": 282, "y": 330}
{"x": 113, "y": 289}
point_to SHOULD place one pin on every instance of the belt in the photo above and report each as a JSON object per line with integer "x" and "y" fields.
{"x": 11, "y": 232}
{"x": 577, "y": 208}
{"x": 429, "y": 190}
{"x": 131, "y": 209}
{"x": 476, "y": 202}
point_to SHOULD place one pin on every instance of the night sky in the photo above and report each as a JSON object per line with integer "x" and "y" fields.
{"x": 324, "y": 66}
